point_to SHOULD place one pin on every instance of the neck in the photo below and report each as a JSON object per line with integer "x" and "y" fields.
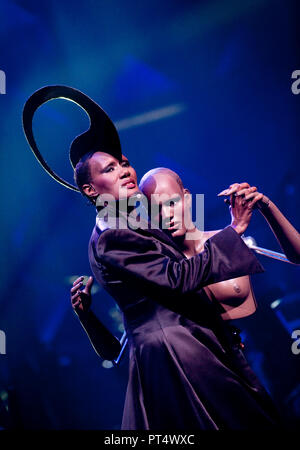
{"x": 190, "y": 241}
{"x": 124, "y": 210}
{"x": 121, "y": 206}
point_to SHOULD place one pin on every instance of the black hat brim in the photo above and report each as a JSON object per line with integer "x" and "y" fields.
{"x": 101, "y": 135}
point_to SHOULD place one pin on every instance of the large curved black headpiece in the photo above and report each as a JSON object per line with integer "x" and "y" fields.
{"x": 101, "y": 135}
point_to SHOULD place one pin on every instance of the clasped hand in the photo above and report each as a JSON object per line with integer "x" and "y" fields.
{"x": 242, "y": 201}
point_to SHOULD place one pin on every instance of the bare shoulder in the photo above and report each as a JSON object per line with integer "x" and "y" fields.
{"x": 204, "y": 237}
{"x": 209, "y": 234}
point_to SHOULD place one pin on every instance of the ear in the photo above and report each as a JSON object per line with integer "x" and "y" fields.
{"x": 187, "y": 197}
{"x": 89, "y": 190}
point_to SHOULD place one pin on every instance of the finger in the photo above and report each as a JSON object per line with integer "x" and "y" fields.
{"x": 78, "y": 280}
{"x": 246, "y": 202}
{"x": 246, "y": 191}
{"x": 89, "y": 284}
{"x": 223, "y": 192}
{"x": 251, "y": 203}
{"x": 232, "y": 200}
{"x": 250, "y": 195}
{"x": 77, "y": 305}
{"x": 220, "y": 194}
{"x": 232, "y": 186}
{"x": 75, "y": 296}
{"x": 244, "y": 185}
{"x": 236, "y": 188}
{"x": 226, "y": 191}
{"x": 76, "y": 287}
{"x": 240, "y": 185}
{"x": 257, "y": 198}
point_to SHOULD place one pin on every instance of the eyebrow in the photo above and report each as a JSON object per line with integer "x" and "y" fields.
{"x": 112, "y": 163}
{"x": 172, "y": 198}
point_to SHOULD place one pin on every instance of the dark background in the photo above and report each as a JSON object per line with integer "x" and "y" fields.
{"x": 217, "y": 75}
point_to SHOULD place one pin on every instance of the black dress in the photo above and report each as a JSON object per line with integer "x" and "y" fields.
{"x": 185, "y": 370}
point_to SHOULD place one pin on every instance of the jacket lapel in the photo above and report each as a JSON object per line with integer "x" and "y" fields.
{"x": 161, "y": 236}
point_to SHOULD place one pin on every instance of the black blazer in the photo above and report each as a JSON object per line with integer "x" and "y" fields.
{"x": 134, "y": 264}
{"x": 184, "y": 368}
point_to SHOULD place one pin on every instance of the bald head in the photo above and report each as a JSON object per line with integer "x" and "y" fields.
{"x": 149, "y": 181}
{"x": 168, "y": 203}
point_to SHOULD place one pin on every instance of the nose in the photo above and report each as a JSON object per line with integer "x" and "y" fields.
{"x": 167, "y": 214}
{"x": 125, "y": 172}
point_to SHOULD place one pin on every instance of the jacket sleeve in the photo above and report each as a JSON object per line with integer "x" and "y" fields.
{"x": 225, "y": 256}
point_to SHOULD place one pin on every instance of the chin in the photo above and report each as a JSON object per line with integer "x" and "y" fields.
{"x": 131, "y": 192}
{"x": 126, "y": 193}
{"x": 177, "y": 233}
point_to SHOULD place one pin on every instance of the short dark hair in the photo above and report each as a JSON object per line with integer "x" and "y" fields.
{"x": 82, "y": 174}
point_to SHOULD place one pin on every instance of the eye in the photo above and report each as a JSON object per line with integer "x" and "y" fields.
{"x": 125, "y": 164}
{"x": 109, "y": 169}
{"x": 174, "y": 201}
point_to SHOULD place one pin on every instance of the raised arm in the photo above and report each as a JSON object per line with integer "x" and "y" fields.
{"x": 135, "y": 257}
{"x": 286, "y": 235}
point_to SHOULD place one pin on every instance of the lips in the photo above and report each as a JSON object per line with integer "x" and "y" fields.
{"x": 129, "y": 184}
{"x": 170, "y": 225}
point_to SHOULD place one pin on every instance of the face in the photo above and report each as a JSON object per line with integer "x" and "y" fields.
{"x": 171, "y": 202}
{"x": 110, "y": 176}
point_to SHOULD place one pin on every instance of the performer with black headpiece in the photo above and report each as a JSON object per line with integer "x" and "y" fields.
{"x": 185, "y": 370}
